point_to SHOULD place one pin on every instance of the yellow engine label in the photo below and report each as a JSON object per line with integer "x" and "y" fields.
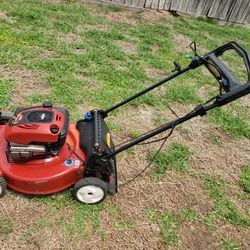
{"x": 108, "y": 139}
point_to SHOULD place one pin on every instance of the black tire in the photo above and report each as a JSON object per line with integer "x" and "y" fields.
{"x": 90, "y": 190}
{"x": 2, "y": 186}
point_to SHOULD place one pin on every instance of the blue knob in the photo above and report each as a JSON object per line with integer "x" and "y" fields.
{"x": 88, "y": 116}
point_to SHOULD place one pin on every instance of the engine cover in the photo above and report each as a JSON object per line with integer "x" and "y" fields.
{"x": 36, "y": 132}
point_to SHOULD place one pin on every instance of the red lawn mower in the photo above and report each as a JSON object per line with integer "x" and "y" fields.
{"x": 43, "y": 153}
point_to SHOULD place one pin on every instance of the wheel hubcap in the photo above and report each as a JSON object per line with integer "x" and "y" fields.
{"x": 90, "y": 194}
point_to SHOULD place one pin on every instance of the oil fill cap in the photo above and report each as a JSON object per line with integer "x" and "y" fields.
{"x": 54, "y": 129}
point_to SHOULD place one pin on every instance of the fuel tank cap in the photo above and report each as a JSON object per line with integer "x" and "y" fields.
{"x": 47, "y": 104}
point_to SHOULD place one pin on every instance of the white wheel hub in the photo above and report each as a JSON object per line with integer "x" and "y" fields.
{"x": 90, "y": 194}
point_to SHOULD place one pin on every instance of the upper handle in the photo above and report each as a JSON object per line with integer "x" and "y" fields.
{"x": 221, "y": 72}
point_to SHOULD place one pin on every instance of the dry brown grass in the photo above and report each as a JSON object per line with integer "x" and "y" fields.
{"x": 26, "y": 84}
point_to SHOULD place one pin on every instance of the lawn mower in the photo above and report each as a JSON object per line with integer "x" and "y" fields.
{"x": 43, "y": 153}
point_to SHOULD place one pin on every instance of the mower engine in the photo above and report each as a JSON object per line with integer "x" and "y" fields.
{"x": 36, "y": 133}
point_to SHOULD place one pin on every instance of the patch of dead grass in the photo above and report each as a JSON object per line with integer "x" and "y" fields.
{"x": 127, "y": 47}
{"x": 196, "y": 236}
{"x": 134, "y": 17}
{"x": 229, "y": 232}
{"x": 85, "y": 27}
{"x": 182, "y": 43}
{"x": 5, "y": 17}
{"x": 149, "y": 16}
{"x": 124, "y": 16}
{"x": 26, "y": 83}
{"x": 70, "y": 37}
{"x": 154, "y": 73}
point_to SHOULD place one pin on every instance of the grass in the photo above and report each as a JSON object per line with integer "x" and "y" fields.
{"x": 78, "y": 52}
{"x": 175, "y": 158}
{"x": 6, "y": 87}
{"x": 245, "y": 178}
{"x": 182, "y": 94}
{"x": 209, "y": 34}
{"x": 118, "y": 221}
{"x": 134, "y": 134}
{"x": 170, "y": 224}
{"x": 223, "y": 208}
{"x": 229, "y": 245}
{"x": 215, "y": 138}
{"x": 234, "y": 125}
{"x": 82, "y": 216}
{"x": 6, "y": 226}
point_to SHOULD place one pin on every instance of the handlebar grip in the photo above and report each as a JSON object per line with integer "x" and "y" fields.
{"x": 229, "y": 81}
{"x": 234, "y": 94}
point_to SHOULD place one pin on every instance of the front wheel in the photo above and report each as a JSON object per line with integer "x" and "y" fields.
{"x": 2, "y": 186}
{"x": 90, "y": 190}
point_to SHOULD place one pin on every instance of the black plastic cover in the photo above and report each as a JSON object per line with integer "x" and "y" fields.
{"x": 96, "y": 142}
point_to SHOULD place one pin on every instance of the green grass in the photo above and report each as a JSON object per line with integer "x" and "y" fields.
{"x": 82, "y": 216}
{"x": 170, "y": 224}
{"x": 182, "y": 94}
{"x": 215, "y": 138}
{"x": 118, "y": 221}
{"x": 245, "y": 178}
{"x": 6, "y": 226}
{"x": 231, "y": 123}
{"x": 97, "y": 63}
{"x": 229, "y": 245}
{"x": 6, "y": 87}
{"x": 223, "y": 208}
{"x": 134, "y": 133}
{"x": 176, "y": 157}
{"x": 210, "y": 34}
{"x": 236, "y": 65}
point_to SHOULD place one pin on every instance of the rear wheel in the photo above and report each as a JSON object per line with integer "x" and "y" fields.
{"x": 2, "y": 186}
{"x": 90, "y": 190}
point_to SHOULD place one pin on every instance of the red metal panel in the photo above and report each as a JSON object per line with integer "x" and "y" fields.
{"x": 47, "y": 175}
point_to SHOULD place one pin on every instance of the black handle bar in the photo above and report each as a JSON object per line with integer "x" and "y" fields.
{"x": 233, "y": 88}
{"x": 228, "y": 80}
